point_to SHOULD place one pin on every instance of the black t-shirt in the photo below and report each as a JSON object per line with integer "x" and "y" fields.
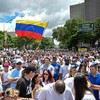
{"x": 24, "y": 87}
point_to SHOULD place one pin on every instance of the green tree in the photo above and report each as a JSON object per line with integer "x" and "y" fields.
{"x": 69, "y": 36}
{"x": 97, "y": 29}
{"x": 1, "y": 40}
{"x": 46, "y": 43}
{"x": 23, "y": 42}
{"x": 36, "y": 44}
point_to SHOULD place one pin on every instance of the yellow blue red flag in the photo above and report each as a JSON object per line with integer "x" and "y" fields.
{"x": 30, "y": 28}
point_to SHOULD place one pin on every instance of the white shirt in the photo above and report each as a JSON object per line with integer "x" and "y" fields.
{"x": 88, "y": 96}
{"x": 37, "y": 93}
{"x": 70, "y": 83}
{"x": 48, "y": 93}
{"x": 45, "y": 83}
{"x": 5, "y": 75}
{"x": 64, "y": 70}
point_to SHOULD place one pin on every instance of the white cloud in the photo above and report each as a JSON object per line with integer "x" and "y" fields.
{"x": 56, "y": 12}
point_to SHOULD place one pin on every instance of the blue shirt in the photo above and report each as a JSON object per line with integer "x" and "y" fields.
{"x": 15, "y": 73}
{"x": 56, "y": 71}
{"x": 95, "y": 80}
{"x": 50, "y": 68}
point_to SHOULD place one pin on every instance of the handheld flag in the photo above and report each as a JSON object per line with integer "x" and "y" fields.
{"x": 5, "y": 39}
{"x": 30, "y": 28}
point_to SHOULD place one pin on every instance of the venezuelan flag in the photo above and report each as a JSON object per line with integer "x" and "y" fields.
{"x": 30, "y": 28}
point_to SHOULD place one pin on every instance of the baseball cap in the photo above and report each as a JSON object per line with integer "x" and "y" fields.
{"x": 73, "y": 66}
{"x": 19, "y": 61}
{"x": 5, "y": 65}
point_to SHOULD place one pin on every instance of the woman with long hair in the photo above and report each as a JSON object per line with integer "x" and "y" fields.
{"x": 47, "y": 77}
{"x": 73, "y": 71}
{"x": 82, "y": 92}
{"x": 82, "y": 67}
{"x": 36, "y": 86}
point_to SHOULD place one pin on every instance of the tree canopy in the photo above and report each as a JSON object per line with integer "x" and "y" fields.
{"x": 69, "y": 36}
{"x": 24, "y": 42}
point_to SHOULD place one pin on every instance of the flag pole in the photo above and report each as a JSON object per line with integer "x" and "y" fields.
{"x": 44, "y": 30}
{"x": 40, "y": 27}
{"x": 5, "y": 35}
{"x": 38, "y": 46}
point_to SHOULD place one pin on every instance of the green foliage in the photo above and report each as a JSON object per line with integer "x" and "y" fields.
{"x": 24, "y": 42}
{"x": 36, "y": 44}
{"x": 67, "y": 34}
{"x": 46, "y": 43}
{"x": 69, "y": 37}
{"x": 97, "y": 29}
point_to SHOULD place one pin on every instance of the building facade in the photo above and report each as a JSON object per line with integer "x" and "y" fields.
{"x": 12, "y": 33}
{"x": 77, "y": 11}
{"x": 92, "y": 10}
{"x": 88, "y": 11}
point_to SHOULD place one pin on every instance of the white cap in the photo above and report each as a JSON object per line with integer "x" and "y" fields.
{"x": 19, "y": 60}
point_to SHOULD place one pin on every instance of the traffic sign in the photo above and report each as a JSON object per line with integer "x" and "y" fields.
{"x": 86, "y": 27}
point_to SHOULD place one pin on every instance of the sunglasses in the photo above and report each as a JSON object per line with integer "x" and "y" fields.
{"x": 45, "y": 74}
{"x": 19, "y": 63}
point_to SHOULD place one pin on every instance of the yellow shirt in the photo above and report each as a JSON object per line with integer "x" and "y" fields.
{"x": 88, "y": 84}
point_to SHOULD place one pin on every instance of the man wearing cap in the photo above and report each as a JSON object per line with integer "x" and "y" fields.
{"x": 24, "y": 83}
{"x": 15, "y": 74}
{"x": 65, "y": 68}
{"x": 4, "y": 76}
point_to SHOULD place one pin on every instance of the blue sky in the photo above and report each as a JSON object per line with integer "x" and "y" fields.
{"x": 9, "y": 18}
{"x": 56, "y": 12}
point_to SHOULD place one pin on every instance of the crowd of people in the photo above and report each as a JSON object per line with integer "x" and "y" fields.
{"x": 51, "y": 75}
